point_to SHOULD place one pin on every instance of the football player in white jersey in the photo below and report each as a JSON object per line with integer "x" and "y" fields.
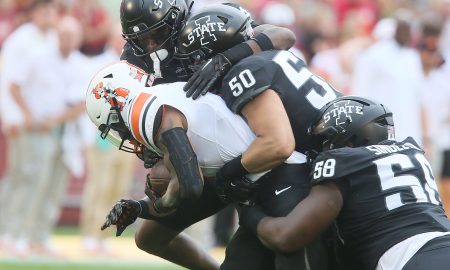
{"x": 129, "y": 114}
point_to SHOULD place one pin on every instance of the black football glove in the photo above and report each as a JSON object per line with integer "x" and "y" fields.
{"x": 238, "y": 190}
{"x": 209, "y": 72}
{"x": 124, "y": 213}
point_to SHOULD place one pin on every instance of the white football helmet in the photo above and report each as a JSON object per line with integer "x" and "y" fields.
{"x": 108, "y": 92}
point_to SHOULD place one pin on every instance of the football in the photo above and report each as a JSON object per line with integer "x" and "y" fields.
{"x": 159, "y": 177}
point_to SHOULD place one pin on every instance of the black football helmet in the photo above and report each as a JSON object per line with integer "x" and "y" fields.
{"x": 212, "y": 30}
{"x": 353, "y": 121}
{"x": 151, "y": 26}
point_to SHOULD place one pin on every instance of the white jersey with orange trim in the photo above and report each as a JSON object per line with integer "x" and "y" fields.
{"x": 216, "y": 134}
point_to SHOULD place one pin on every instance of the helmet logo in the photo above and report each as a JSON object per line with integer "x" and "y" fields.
{"x": 98, "y": 90}
{"x": 204, "y": 31}
{"x": 343, "y": 112}
{"x": 136, "y": 74}
{"x": 114, "y": 97}
{"x": 158, "y": 4}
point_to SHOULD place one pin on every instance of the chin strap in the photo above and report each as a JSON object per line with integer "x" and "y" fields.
{"x": 156, "y": 65}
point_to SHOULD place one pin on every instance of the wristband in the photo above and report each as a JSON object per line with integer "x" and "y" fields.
{"x": 237, "y": 53}
{"x": 234, "y": 168}
{"x": 263, "y": 42}
{"x": 251, "y": 218}
{"x": 145, "y": 213}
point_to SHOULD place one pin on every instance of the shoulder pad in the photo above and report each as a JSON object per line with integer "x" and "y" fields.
{"x": 338, "y": 163}
{"x": 246, "y": 80}
{"x": 411, "y": 143}
{"x": 141, "y": 118}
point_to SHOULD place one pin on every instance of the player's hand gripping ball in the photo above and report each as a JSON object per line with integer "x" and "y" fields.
{"x": 158, "y": 179}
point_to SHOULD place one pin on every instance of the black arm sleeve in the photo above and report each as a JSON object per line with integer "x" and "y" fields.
{"x": 184, "y": 160}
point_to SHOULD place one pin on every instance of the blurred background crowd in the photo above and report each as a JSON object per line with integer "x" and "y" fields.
{"x": 54, "y": 168}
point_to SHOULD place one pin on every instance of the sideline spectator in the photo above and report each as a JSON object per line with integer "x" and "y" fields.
{"x": 436, "y": 95}
{"x": 54, "y": 100}
{"x": 8, "y": 21}
{"x": 110, "y": 172}
{"x": 96, "y": 25}
{"x": 390, "y": 71}
{"x": 18, "y": 121}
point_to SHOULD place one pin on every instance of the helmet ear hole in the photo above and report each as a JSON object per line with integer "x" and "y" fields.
{"x": 224, "y": 19}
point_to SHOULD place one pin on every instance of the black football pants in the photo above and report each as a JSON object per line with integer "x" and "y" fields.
{"x": 280, "y": 191}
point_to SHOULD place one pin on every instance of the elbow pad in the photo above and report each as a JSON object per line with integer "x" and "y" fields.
{"x": 184, "y": 160}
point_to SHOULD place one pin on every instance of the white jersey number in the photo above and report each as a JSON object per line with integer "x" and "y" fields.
{"x": 325, "y": 168}
{"x": 244, "y": 79}
{"x": 426, "y": 192}
{"x": 298, "y": 74}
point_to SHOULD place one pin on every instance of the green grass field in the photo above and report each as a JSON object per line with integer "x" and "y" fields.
{"x": 36, "y": 263}
{"x": 67, "y": 238}
{"x": 81, "y": 266}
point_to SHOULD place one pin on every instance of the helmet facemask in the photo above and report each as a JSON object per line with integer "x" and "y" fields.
{"x": 116, "y": 131}
{"x": 163, "y": 33}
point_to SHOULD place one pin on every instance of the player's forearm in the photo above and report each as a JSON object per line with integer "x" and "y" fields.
{"x": 268, "y": 231}
{"x": 191, "y": 255}
{"x": 275, "y": 140}
{"x": 268, "y": 38}
{"x": 271, "y": 231}
{"x": 265, "y": 153}
{"x": 285, "y": 234}
{"x": 181, "y": 160}
{"x": 281, "y": 38}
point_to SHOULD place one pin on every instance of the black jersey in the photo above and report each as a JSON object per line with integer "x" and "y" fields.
{"x": 177, "y": 70}
{"x": 303, "y": 94}
{"x": 389, "y": 195}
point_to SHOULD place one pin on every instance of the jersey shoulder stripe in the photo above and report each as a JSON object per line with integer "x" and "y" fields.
{"x": 137, "y": 116}
{"x": 144, "y": 119}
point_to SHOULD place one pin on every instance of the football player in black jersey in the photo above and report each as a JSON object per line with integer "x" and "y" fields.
{"x": 279, "y": 98}
{"x": 380, "y": 193}
{"x": 166, "y": 40}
